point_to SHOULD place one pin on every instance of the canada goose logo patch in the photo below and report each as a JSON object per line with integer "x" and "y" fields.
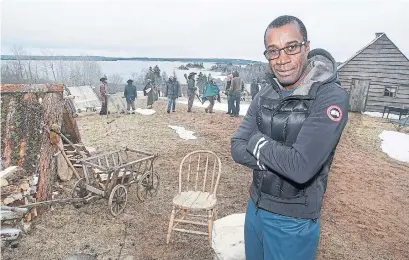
{"x": 334, "y": 113}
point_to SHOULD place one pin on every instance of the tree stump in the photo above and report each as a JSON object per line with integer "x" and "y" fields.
{"x": 26, "y": 110}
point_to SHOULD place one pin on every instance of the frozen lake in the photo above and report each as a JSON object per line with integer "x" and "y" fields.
{"x": 123, "y": 68}
{"x": 126, "y": 68}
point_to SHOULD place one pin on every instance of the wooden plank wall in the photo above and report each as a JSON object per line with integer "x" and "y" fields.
{"x": 385, "y": 66}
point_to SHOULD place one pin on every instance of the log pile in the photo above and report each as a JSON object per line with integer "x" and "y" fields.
{"x": 26, "y": 110}
{"x": 30, "y": 161}
{"x": 17, "y": 189}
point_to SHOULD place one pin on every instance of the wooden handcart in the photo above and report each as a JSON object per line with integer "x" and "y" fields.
{"x": 111, "y": 174}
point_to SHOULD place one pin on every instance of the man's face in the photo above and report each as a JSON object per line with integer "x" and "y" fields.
{"x": 287, "y": 68}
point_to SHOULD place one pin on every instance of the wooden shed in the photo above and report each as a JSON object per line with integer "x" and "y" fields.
{"x": 376, "y": 77}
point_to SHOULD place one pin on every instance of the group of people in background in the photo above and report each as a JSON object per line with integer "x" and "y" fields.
{"x": 130, "y": 94}
{"x": 172, "y": 90}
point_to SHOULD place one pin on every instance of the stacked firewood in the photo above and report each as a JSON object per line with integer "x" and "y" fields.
{"x": 17, "y": 189}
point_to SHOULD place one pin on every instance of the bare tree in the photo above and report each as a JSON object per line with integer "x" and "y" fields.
{"x": 50, "y": 63}
{"x": 18, "y": 53}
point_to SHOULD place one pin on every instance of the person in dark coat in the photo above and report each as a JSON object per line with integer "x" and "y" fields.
{"x": 237, "y": 86}
{"x": 130, "y": 96}
{"x": 172, "y": 92}
{"x": 254, "y": 89}
{"x": 191, "y": 90}
{"x": 288, "y": 138}
{"x": 149, "y": 91}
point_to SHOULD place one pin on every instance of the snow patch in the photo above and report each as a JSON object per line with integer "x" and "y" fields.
{"x": 395, "y": 145}
{"x": 145, "y": 112}
{"x": 228, "y": 237}
{"x": 183, "y": 133}
{"x": 378, "y": 114}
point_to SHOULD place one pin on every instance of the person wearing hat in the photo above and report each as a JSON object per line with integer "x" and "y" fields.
{"x": 254, "y": 89}
{"x": 103, "y": 90}
{"x": 149, "y": 91}
{"x": 191, "y": 90}
{"x": 130, "y": 95}
{"x": 172, "y": 92}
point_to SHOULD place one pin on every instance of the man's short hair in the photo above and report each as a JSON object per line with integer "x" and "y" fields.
{"x": 284, "y": 20}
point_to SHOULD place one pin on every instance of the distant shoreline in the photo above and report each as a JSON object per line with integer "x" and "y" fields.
{"x": 102, "y": 58}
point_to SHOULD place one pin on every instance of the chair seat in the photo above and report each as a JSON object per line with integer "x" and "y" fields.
{"x": 195, "y": 200}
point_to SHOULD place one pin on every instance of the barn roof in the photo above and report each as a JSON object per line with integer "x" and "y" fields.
{"x": 378, "y": 36}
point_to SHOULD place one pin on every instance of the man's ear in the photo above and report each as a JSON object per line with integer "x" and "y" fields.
{"x": 307, "y": 47}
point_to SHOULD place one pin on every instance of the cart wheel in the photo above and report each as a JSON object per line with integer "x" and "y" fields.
{"x": 148, "y": 187}
{"x": 118, "y": 199}
{"x": 79, "y": 191}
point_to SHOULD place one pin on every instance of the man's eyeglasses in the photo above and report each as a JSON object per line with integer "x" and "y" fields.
{"x": 291, "y": 49}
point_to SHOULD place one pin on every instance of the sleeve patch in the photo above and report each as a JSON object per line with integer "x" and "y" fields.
{"x": 334, "y": 113}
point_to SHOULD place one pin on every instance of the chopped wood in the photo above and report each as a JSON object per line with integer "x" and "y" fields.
{"x": 10, "y": 171}
{"x": 28, "y": 217}
{"x": 3, "y": 182}
{"x": 10, "y": 215}
{"x": 11, "y": 189}
{"x": 77, "y": 165}
{"x": 34, "y": 212}
{"x": 68, "y": 161}
{"x": 64, "y": 172}
{"x": 10, "y": 234}
{"x": 8, "y": 200}
{"x": 24, "y": 186}
{"x": 14, "y": 209}
{"x": 29, "y": 145}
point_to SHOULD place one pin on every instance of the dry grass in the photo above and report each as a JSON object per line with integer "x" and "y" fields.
{"x": 365, "y": 213}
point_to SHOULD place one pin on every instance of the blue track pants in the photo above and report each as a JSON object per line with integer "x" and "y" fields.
{"x": 270, "y": 236}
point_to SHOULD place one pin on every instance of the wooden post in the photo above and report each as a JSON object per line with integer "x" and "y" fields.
{"x": 25, "y": 110}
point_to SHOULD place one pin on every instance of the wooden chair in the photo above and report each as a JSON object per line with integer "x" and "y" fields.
{"x": 197, "y": 192}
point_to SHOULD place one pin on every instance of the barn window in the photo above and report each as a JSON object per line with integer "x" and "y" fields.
{"x": 390, "y": 91}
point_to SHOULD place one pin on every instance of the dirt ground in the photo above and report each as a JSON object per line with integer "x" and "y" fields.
{"x": 365, "y": 213}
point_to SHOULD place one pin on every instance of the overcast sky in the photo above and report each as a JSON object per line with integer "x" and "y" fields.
{"x": 194, "y": 28}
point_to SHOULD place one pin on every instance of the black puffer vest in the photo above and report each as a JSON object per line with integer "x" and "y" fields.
{"x": 281, "y": 119}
